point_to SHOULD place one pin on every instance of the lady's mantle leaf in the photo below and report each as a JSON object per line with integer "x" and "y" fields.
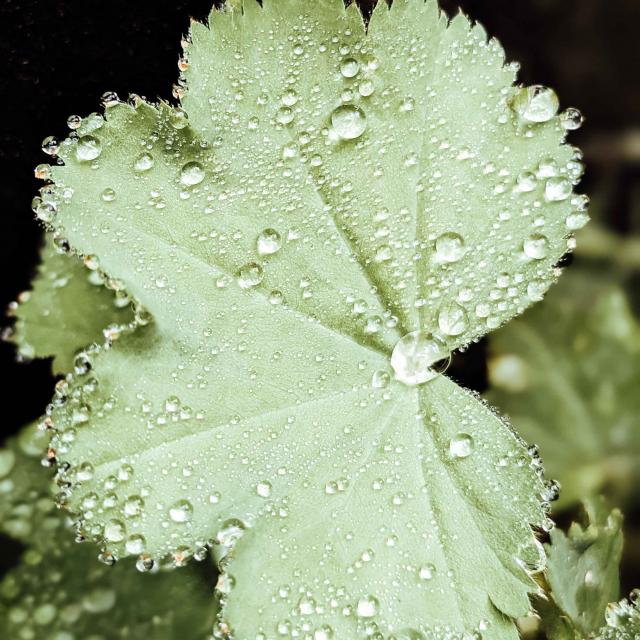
{"x": 547, "y": 371}
{"x": 336, "y": 190}
{"x": 67, "y": 310}
{"x": 582, "y": 572}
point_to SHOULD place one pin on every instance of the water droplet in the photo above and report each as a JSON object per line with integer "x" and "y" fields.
{"x": 269, "y": 242}
{"x": 74, "y": 122}
{"x": 536, "y": 246}
{"x": 192, "y": 174}
{"x": 461, "y": 446}
{"x": 179, "y": 119}
{"x": 367, "y": 607}
{"x": 449, "y": 247}
{"x": 571, "y": 119}
{"x": 536, "y": 290}
{"x": 144, "y": 162}
{"x": 366, "y": 88}
{"x": 415, "y": 354}
{"x": 181, "y": 511}
{"x": 250, "y": 275}
{"x": 88, "y": 148}
{"x": 349, "y": 121}
{"x": 452, "y": 319}
{"x": 50, "y": 146}
{"x": 380, "y": 379}
{"x": 108, "y": 195}
{"x": 426, "y": 572}
{"x": 109, "y": 99}
{"x": 536, "y": 103}
{"x": 135, "y": 544}
{"x": 263, "y": 489}
{"x": 133, "y": 506}
{"x": 349, "y": 68}
{"x": 557, "y": 189}
{"x": 577, "y": 220}
{"x": 115, "y": 531}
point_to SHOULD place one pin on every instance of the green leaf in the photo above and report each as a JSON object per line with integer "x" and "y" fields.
{"x": 623, "y": 619}
{"x": 67, "y": 310}
{"x": 284, "y": 249}
{"x": 583, "y": 572}
{"x": 27, "y": 512}
{"x": 61, "y": 590}
{"x": 567, "y": 374}
{"x": 64, "y": 592}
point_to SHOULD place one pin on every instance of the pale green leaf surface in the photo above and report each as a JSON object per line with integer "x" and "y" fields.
{"x": 60, "y": 588}
{"x": 567, "y": 374}
{"x": 441, "y": 153}
{"x": 623, "y": 620}
{"x": 65, "y": 311}
{"x": 583, "y": 568}
{"x": 242, "y": 404}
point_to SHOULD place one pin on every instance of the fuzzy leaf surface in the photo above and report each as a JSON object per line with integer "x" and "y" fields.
{"x": 547, "y": 371}
{"x": 247, "y": 410}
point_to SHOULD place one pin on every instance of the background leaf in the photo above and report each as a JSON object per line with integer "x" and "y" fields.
{"x": 583, "y": 573}
{"x": 67, "y": 310}
{"x": 623, "y": 620}
{"x": 61, "y": 590}
{"x": 566, "y": 373}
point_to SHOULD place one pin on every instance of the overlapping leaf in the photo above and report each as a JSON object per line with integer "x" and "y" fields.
{"x": 623, "y": 620}
{"x": 66, "y": 310}
{"x": 27, "y": 511}
{"x": 583, "y": 574}
{"x": 334, "y": 191}
{"x": 567, "y": 374}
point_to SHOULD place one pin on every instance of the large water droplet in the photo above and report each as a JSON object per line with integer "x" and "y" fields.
{"x": 349, "y": 68}
{"x": 181, "y": 511}
{"x": 88, "y": 148}
{"x": 367, "y": 607}
{"x": 426, "y": 572}
{"x": 557, "y": 189}
{"x": 349, "y": 121}
{"x": 449, "y": 247}
{"x": 452, "y": 319}
{"x": 571, "y": 119}
{"x": 144, "y": 162}
{"x": 192, "y": 173}
{"x": 269, "y": 242}
{"x": 250, "y": 275}
{"x": 115, "y": 531}
{"x": 461, "y": 446}
{"x": 536, "y": 246}
{"x": 536, "y": 103}
{"x": 415, "y": 354}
